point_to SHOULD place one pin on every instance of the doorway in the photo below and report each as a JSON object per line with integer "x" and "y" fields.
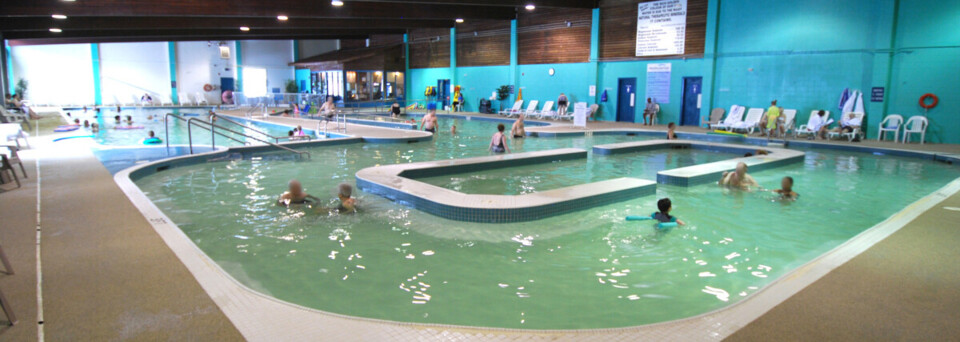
{"x": 690, "y": 111}
{"x": 443, "y": 92}
{"x": 626, "y": 99}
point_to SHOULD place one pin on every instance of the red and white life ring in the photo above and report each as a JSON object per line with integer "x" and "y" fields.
{"x": 208, "y": 87}
{"x": 923, "y": 101}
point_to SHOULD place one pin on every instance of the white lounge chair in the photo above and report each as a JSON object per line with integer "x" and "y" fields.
{"x": 14, "y": 158}
{"x": 576, "y": 106}
{"x": 531, "y": 109}
{"x": 165, "y": 100}
{"x": 184, "y": 99}
{"x": 715, "y": 115}
{"x": 789, "y": 116}
{"x": 9, "y": 116}
{"x": 855, "y": 133}
{"x": 891, "y": 123}
{"x": 14, "y": 132}
{"x": 546, "y": 110}
{"x": 916, "y": 124}
{"x": 516, "y": 108}
{"x": 813, "y": 124}
{"x": 200, "y": 99}
{"x": 137, "y": 101}
{"x": 751, "y": 122}
{"x": 734, "y": 116}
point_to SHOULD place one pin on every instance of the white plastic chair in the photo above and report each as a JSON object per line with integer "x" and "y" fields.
{"x": 789, "y": 118}
{"x": 812, "y": 121}
{"x": 751, "y": 122}
{"x": 891, "y": 123}
{"x": 516, "y": 108}
{"x": 656, "y": 113}
{"x": 916, "y": 124}
{"x": 734, "y": 116}
{"x": 531, "y": 109}
{"x": 184, "y": 99}
{"x": 200, "y": 99}
{"x": 576, "y": 106}
{"x": 546, "y": 110}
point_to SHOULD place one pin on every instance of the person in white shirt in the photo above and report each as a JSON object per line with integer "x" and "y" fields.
{"x": 820, "y": 124}
{"x": 848, "y": 123}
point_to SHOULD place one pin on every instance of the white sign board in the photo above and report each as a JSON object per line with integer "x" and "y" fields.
{"x": 593, "y": 90}
{"x": 658, "y": 82}
{"x": 661, "y": 27}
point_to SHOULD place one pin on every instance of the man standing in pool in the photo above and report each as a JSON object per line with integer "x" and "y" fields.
{"x": 517, "y": 131}
{"x": 295, "y": 195}
{"x": 429, "y": 122}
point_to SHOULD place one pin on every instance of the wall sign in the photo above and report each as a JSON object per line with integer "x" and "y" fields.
{"x": 876, "y": 94}
{"x": 658, "y": 82}
{"x": 661, "y": 27}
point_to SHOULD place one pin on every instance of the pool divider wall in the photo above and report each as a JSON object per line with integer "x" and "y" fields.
{"x": 392, "y": 182}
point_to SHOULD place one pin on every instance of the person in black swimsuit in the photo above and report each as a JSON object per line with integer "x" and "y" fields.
{"x": 499, "y": 142}
{"x": 395, "y": 110}
{"x": 295, "y": 195}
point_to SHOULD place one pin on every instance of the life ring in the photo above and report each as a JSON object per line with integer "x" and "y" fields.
{"x": 152, "y": 141}
{"x": 207, "y": 87}
{"x": 227, "y": 97}
{"x": 923, "y": 101}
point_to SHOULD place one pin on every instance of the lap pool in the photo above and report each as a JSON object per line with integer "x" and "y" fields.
{"x": 580, "y": 270}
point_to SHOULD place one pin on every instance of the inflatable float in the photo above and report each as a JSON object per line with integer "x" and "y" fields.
{"x": 127, "y": 127}
{"x": 66, "y": 128}
{"x": 660, "y": 225}
{"x": 152, "y": 141}
{"x": 719, "y": 132}
{"x": 73, "y": 137}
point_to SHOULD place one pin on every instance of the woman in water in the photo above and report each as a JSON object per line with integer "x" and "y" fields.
{"x": 499, "y": 142}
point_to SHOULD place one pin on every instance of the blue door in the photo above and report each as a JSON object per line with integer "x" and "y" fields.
{"x": 690, "y": 113}
{"x": 443, "y": 92}
{"x": 626, "y": 99}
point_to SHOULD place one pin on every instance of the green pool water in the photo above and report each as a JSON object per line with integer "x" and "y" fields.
{"x": 584, "y": 269}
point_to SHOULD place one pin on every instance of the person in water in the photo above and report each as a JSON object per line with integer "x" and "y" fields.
{"x": 295, "y": 195}
{"x": 347, "y": 204}
{"x": 786, "y": 189}
{"x": 129, "y": 120}
{"x": 117, "y": 119}
{"x": 738, "y": 178}
{"x": 429, "y": 122}
{"x": 86, "y": 123}
{"x": 663, "y": 216}
{"x": 94, "y": 127}
{"x": 453, "y": 128}
{"x": 671, "y": 134}
{"x": 499, "y": 142}
{"x": 395, "y": 110}
{"x": 517, "y": 130}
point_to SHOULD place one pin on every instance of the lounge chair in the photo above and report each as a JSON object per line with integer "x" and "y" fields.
{"x": 715, "y": 115}
{"x": 546, "y": 110}
{"x": 751, "y": 122}
{"x": 857, "y": 132}
{"x": 165, "y": 100}
{"x": 516, "y": 108}
{"x": 891, "y": 123}
{"x": 808, "y": 128}
{"x": 11, "y": 116}
{"x": 184, "y": 99}
{"x": 5, "y": 166}
{"x": 200, "y": 99}
{"x": 576, "y": 106}
{"x": 916, "y": 124}
{"x": 531, "y": 109}
{"x": 734, "y": 116}
{"x": 13, "y": 158}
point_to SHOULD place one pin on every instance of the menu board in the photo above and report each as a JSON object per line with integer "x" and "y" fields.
{"x": 661, "y": 27}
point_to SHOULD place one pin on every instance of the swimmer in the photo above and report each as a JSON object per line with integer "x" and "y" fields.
{"x": 517, "y": 131}
{"x": 761, "y": 152}
{"x": 670, "y": 131}
{"x": 498, "y": 144}
{"x": 748, "y": 154}
{"x": 68, "y": 115}
{"x": 347, "y": 204}
{"x": 150, "y": 135}
{"x": 211, "y": 116}
{"x": 86, "y": 123}
{"x": 118, "y": 108}
{"x": 95, "y": 127}
{"x": 76, "y": 122}
{"x": 663, "y": 216}
{"x": 289, "y": 135}
{"x": 429, "y": 122}
{"x": 295, "y": 195}
{"x": 84, "y": 109}
{"x": 395, "y": 110}
{"x": 149, "y": 117}
{"x": 129, "y": 120}
{"x": 116, "y": 118}
{"x": 786, "y": 189}
{"x": 453, "y": 129}
{"x": 738, "y": 178}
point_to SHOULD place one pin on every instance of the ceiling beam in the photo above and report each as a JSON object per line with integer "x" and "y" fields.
{"x": 12, "y": 24}
{"x": 501, "y": 3}
{"x": 255, "y": 8}
{"x": 201, "y": 34}
{"x": 47, "y": 41}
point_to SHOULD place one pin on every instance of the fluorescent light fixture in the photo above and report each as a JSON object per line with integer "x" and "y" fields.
{"x": 244, "y": 28}
{"x": 459, "y": 20}
{"x": 282, "y": 18}
{"x": 55, "y": 30}
{"x": 336, "y": 3}
{"x": 530, "y": 7}
{"x": 59, "y": 16}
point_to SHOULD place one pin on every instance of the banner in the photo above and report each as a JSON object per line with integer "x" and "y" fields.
{"x": 658, "y": 82}
{"x": 661, "y": 27}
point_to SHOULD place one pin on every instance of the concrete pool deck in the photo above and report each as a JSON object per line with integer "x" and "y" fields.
{"x": 108, "y": 275}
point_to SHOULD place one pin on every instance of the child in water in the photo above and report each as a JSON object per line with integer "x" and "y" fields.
{"x": 670, "y": 131}
{"x": 129, "y": 120}
{"x": 663, "y": 215}
{"x": 786, "y": 189}
{"x": 347, "y": 204}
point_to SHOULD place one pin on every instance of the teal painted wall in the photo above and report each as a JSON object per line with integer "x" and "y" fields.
{"x": 302, "y": 75}
{"x": 611, "y": 72}
{"x": 421, "y": 78}
{"x": 480, "y": 82}
{"x": 572, "y": 79}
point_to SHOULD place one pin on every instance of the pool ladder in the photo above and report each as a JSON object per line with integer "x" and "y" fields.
{"x": 275, "y": 139}
{"x": 340, "y": 121}
{"x": 212, "y": 127}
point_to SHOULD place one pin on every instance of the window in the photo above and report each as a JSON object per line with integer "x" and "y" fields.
{"x": 254, "y": 82}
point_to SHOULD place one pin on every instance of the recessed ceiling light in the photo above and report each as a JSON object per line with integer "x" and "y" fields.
{"x": 459, "y": 20}
{"x": 55, "y": 30}
{"x": 59, "y": 16}
{"x": 244, "y": 28}
{"x": 282, "y": 18}
{"x": 336, "y": 3}
{"x": 530, "y": 7}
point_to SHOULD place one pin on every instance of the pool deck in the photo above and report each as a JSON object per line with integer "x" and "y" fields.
{"x": 107, "y": 274}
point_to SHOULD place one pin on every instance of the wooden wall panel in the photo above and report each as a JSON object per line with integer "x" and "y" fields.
{"x": 618, "y": 29}
{"x": 482, "y": 43}
{"x": 426, "y": 51}
{"x": 554, "y": 36}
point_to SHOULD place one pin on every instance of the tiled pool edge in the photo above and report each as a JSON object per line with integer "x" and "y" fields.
{"x": 263, "y": 318}
{"x": 397, "y": 182}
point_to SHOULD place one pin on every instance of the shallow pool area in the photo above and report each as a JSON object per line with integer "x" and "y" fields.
{"x": 585, "y": 269}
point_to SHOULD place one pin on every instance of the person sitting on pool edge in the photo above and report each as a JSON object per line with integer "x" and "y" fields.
{"x": 429, "y": 122}
{"x": 347, "y": 204}
{"x": 517, "y": 130}
{"x": 671, "y": 135}
{"x": 738, "y": 178}
{"x": 499, "y": 142}
{"x": 295, "y": 195}
{"x": 786, "y": 189}
{"x": 663, "y": 216}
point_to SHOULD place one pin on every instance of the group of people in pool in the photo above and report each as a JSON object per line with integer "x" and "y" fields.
{"x": 740, "y": 179}
{"x": 296, "y": 196}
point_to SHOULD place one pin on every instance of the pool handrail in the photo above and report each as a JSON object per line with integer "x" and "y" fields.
{"x": 213, "y": 127}
{"x": 275, "y": 138}
{"x": 166, "y": 131}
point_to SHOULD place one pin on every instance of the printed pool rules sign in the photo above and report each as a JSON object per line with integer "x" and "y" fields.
{"x": 661, "y": 27}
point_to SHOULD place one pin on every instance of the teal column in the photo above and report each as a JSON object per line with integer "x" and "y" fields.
{"x": 11, "y": 81}
{"x": 406, "y": 67}
{"x": 95, "y": 56}
{"x": 453, "y": 58}
{"x": 172, "y": 57}
{"x": 708, "y": 92}
{"x": 238, "y": 86}
{"x": 514, "y": 79}
{"x": 595, "y": 57}
{"x": 296, "y": 50}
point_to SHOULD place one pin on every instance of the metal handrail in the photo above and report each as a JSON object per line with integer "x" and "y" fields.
{"x": 275, "y": 138}
{"x": 213, "y": 126}
{"x": 166, "y": 131}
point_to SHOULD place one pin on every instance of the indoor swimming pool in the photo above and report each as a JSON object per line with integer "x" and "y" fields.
{"x": 580, "y": 270}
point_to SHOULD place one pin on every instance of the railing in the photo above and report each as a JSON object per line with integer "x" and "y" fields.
{"x": 213, "y": 127}
{"x": 261, "y": 106}
{"x": 339, "y": 119}
{"x": 166, "y": 131}
{"x": 275, "y": 139}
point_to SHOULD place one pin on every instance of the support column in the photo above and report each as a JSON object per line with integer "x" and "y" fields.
{"x": 95, "y": 56}
{"x": 595, "y": 56}
{"x": 172, "y": 58}
{"x": 238, "y": 85}
{"x": 406, "y": 67}
{"x": 709, "y": 87}
{"x": 514, "y": 77}
{"x": 453, "y": 60}
{"x": 296, "y": 50}
{"x": 6, "y": 68}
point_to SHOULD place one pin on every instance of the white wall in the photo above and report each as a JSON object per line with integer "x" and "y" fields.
{"x": 272, "y": 55}
{"x": 132, "y": 69}
{"x": 199, "y": 63}
{"x": 313, "y": 47}
{"x": 57, "y": 74}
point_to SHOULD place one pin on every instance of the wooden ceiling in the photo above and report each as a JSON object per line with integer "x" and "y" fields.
{"x": 29, "y": 21}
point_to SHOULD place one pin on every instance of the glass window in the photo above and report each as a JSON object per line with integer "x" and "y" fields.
{"x": 254, "y": 82}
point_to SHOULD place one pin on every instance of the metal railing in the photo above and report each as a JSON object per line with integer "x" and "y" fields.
{"x": 275, "y": 138}
{"x": 213, "y": 127}
{"x": 166, "y": 131}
